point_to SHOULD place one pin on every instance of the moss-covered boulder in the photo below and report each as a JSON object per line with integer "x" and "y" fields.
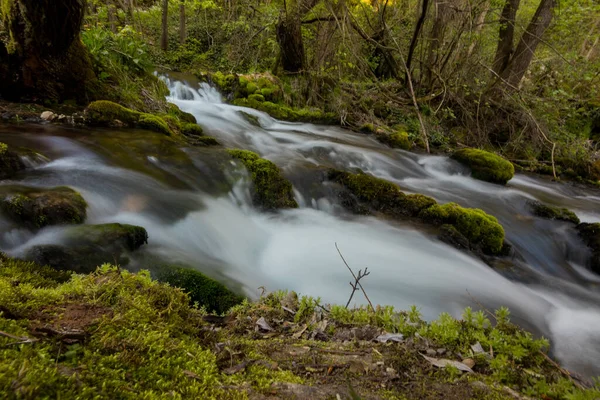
{"x": 379, "y": 195}
{"x": 369, "y": 194}
{"x": 481, "y": 229}
{"x": 182, "y": 116}
{"x": 270, "y": 189}
{"x": 10, "y": 162}
{"x": 204, "y": 291}
{"x": 550, "y": 212}
{"x": 38, "y": 207}
{"x": 85, "y": 247}
{"x": 486, "y": 166}
{"x": 106, "y": 113}
{"x": 396, "y": 140}
{"x": 590, "y": 234}
{"x": 189, "y": 129}
{"x": 285, "y": 113}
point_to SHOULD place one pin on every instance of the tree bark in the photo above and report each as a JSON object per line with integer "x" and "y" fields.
{"x": 506, "y": 35}
{"x": 289, "y": 35}
{"x": 416, "y": 33}
{"x": 182, "y": 30}
{"x": 45, "y": 59}
{"x": 164, "y": 38}
{"x": 530, "y": 39}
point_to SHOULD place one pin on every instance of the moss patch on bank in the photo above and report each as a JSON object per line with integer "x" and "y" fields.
{"x": 372, "y": 194}
{"x": 114, "y": 334}
{"x": 551, "y": 212}
{"x": 486, "y": 166}
{"x": 271, "y": 190}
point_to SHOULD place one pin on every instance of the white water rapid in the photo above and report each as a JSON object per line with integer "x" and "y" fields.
{"x": 191, "y": 222}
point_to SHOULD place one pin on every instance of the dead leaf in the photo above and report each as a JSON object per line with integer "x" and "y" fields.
{"x": 443, "y": 363}
{"x": 264, "y": 325}
{"x": 469, "y": 362}
{"x": 477, "y": 348}
{"x": 390, "y": 337}
{"x": 298, "y": 334}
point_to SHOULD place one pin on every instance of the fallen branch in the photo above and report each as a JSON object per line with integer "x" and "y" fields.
{"x": 356, "y": 280}
{"x": 19, "y": 340}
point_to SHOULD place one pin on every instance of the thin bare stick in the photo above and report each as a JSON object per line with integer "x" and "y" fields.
{"x": 355, "y": 278}
{"x": 19, "y": 340}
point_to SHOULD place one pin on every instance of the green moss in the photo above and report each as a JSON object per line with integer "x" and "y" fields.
{"x": 204, "y": 291}
{"x": 486, "y": 166}
{"x": 103, "y": 112}
{"x": 129, "y": 236}
{"x": 189, "y": 129}
{"x": 271, "y": 189}
{"x": 479, "y": 228}
{"x": 367, "y": 128}
{"x": 267, "y": 93}
{"x": 286, "y": 113}
{"x": 183, "y": 116}
{"x": 224, "y": 82}
{"x": 550, "y": 212}
{"x": 380, "y": 195}
{"x": 3, "y": 148}
{"x": 256, "y": 97}
{"x": 154, "y": 123}
{"x": 398, "y": 140}
{"x": 251, "y": 88}
{"x": 206, "y": 141}
{"x": 37, "y": 208}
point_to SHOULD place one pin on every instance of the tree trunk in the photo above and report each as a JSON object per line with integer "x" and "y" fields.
{"x": 164, "y": 38}
{"x": 416, "y": 33}
{"x": 530, "y": 39}
{"x": 436, "y": 38}
{"x": 45, "y": 59}
{"x": 112, "y": 20}
{"x": 182, "y": 31}
{"x": 506, "y": 36}
{"x": 289, "y": 35}
{"x": 479, "y": 27}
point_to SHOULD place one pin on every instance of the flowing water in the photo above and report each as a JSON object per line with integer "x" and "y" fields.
{"x": 195, "y": 204}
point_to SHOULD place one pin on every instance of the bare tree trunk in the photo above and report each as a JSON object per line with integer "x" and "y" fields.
{"x": 182, "y": 30}
{"x": 112, "y": 20}
{"x": 442, "y": 18}
{"x": 530, "y": 39}
{"x": 506, "y": 36}
{"x": 415, "y": 38}
{"x": 479, "y": 27}
{"x": 164, "y": 38}
{"x": 289, "y": 34}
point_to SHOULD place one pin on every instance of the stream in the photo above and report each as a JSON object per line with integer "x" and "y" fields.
{"x": 196, "y": 205}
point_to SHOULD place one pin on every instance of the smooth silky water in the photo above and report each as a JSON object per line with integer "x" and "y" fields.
{"x": 195, "y": 204}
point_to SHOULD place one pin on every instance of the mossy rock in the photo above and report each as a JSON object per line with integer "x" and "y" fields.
{"x": 380, "y": 195}
{"x": 397, "y": 140}
{"x": 204, "y": 291}
{"x": 590, "y": 234}
{"x": 550, "y": 212}
{"x": 205, "y": 141}
{"x": 183, "y": 116}
{"x": 10, "y": 162}
{"x": 481, "y": 229}
{"x": 37, "y": 207}
{"x": 486, "y": 166}
{"x": 271, "y": 190}
{"x": 189, "y": 129}
{"x": 86, "y": 247}
{"x": 104, "y": 112}
{"x": 253, "y": 119}
{"x": 367, "y": 128}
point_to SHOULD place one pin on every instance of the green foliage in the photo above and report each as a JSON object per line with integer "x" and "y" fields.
{"x": 202, "y": 290}
{"x": 271, "y": 189}
{"x": 104, "y": 112}
{"x": 3, "y": 148}
{"x": 485, "y": 165}
{"x": 479, "y": 228}
{"x": 550, "y": 212}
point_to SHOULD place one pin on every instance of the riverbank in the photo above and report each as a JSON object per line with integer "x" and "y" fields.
{"x": 114, "y": 333}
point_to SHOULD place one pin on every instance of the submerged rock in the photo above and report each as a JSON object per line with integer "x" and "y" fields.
{"x": 271, "y": 190}
{"x": 486, "y": 166}
{"x": 39, "y": 207}
{"x": 10, "y": 162}
{"x": 550, "y": 212}
{"x": 86, "y": 247}
{"x": 590, "y": 233}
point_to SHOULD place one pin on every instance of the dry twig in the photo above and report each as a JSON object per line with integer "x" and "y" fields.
{"x": 356, "y": 280}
